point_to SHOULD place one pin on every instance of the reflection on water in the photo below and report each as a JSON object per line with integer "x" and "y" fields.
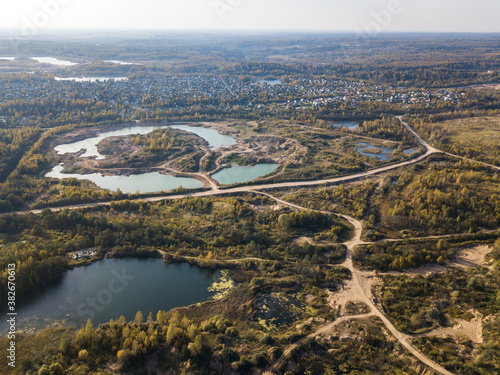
{"x": 53, "y": 61}
{"x": 91, "y": 79}
{"x": 110, "y": 288}
{"x": 143, "y": 183}
{"x": 238, "y": 174}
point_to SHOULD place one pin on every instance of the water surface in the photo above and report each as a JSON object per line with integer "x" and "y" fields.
{"x": 214, "y": 138}
{"x": 90, "y": 144}
{"x": 410, "y": 151}
{"x": 53, "y": 61}
{"x": 120, "y": 62}
{"x": 239, "y": 174}
{"x": 110, "y": 288}
{"x": 351, "y": 125}
{"x": 271, "y": 82}
{"x": 385, "y": 154}
{"x": 143, "y": 183}
{"x": 91, "y": 79}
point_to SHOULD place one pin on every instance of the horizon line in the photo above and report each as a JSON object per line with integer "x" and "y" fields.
{"x": 48, "y": 32}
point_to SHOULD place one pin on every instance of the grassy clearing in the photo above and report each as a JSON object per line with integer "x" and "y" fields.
{"x": 475, "y": 131}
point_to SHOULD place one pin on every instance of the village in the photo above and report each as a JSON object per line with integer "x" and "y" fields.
{"x": 178, "y": 94}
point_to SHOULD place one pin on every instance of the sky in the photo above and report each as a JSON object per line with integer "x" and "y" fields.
{"x": 36, "y": 16}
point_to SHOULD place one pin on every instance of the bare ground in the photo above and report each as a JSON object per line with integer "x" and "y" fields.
{"x": 464, "y": 259}
{"x": 472, "y": 330}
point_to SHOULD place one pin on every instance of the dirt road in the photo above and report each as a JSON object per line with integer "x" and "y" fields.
{"x": 359, "y": 292}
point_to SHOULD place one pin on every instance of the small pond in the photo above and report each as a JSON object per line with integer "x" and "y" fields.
{"x": 382, "y": 153}
{"x": 239, "y": 174}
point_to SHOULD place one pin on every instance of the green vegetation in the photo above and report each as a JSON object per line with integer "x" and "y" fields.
{"x": 438, "y": 199}
{"x": 284, "y": 266}
{"x": 469, "y": 134}
{"x": 420, "y": 304}
{"x": 219, "y": 228}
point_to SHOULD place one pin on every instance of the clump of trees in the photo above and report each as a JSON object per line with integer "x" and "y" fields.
{"x": 387, "y": 256}
{"x": 387, "y": 128}
{"x": 440, "y": 200}
{"x": 171, "y": 337}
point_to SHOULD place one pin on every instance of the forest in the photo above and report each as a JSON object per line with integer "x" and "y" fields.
{"x": 211, "y": 229}
{"x": 408, "y": 228}
{"x": 421, "y": 304}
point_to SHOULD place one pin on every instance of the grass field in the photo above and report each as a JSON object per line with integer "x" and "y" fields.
{"x": 480, "y": 134}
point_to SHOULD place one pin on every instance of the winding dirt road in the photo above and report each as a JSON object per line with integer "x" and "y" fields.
{"x": 360, "y": 294}
{"x": 434, "y": 150}
{"x": 357, "y": 286}
{"x": 246, "y": 189}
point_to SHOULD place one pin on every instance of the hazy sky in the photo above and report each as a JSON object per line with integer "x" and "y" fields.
{"x": 33, "y": 16}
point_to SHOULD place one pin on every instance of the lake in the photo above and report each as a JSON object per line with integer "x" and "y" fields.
{"x": 110, "y": 288}
{"x": 346, "y": 124}
{"x": 53, "y": 61}
{"x": 91, "y": 79}
{"x": 214, "y": 139}
{"x": 385, "y": 154}
{"x": 143, "y": 183}
{"x": 271, "y": 82}
{"x": 239, "y": 174}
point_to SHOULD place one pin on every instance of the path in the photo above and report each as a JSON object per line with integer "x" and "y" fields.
{"x": 359, "y": 287}
{"x": 322, "y": 330}
{"x": 435, "y": 150}
{"x": 359, "y": 293}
